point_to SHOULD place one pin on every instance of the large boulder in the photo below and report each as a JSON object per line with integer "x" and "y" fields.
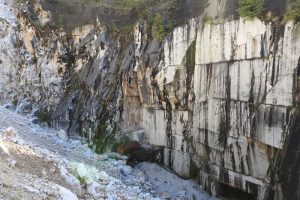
{"x": 144, "y": 155}
{"x": 85, "y": 173}
{"x": 10, "y": 132}
{"x": 127, "y": 147}
{"x": 71, "y": 180}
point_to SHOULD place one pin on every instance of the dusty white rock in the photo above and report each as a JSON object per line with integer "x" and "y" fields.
{"x": 50, "y": 193}
{"x": 103, "y": 175}
{"x": 111, "y": 187}
{"x": 115, "y": 163}
{"x": 44, "y": 173}
{"x": 72, "y": 181}
{"x": 62, "y": 134}
{"x": 12, "y": 163}
{"x": 88, "y": 179}
{"x": 66, "y": 194}
{"x": 52, "y": 170}
{"x": 81, "y": 170}
{"x": 140, "y": 176}
{"x": 86, "y": 173}
{"x": 10, "y": 132}
{"x": 19, "y": 142}
{"x": 165, "y": 195}
{"x": 112, "y": 196}
{"x": 92, "y": 189}
{"x": 125, "y": 170}
{"x": 136, "y": 189}
{"x": 3, "y": 149}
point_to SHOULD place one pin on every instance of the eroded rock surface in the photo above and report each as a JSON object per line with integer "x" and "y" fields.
{"x": 219, "y": 96}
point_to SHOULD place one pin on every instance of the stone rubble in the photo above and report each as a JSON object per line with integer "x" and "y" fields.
{"x": 36, "y": 172}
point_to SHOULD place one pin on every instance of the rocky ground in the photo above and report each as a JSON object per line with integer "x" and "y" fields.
{"x": 41, "y": 163}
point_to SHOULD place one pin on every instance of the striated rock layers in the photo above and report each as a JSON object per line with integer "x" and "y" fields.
{"x": 221, "y": 101}
{"x": 220, "y": 98}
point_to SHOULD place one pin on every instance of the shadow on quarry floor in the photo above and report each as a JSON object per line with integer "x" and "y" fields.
{"x": 230, "y": 193}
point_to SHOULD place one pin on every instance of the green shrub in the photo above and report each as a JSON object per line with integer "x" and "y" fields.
{"x": 44, "y": 116}
{"x": 293, "y": 11}
{"x": 59, "y": 21}
{"x": 112, "y": 29}
{"x": 161, "y": 28}
{"x": 103, "y": 140}
{"x": 15, "y": 102}
{"x": 129, "y": 3}
{"x": 207, "y": 20}
{"x": 251, "y": 8}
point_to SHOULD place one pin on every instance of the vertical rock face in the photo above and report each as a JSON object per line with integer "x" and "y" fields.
{"x": 220, "y": 98}
{"x": 31, "y": 74}
{"x": 240, "y": 116}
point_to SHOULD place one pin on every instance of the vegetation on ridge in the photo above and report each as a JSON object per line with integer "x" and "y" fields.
{"x": 293, "y": 11}
{"x": 120, "y": 15}
{"x": 161, "y": 27}
{"x": 250, "y": 8}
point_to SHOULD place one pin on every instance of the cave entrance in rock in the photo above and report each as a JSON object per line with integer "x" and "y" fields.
{"x": 234, "y": 194}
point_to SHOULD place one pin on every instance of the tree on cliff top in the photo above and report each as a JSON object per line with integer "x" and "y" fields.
{"x": 250, "y": 8}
